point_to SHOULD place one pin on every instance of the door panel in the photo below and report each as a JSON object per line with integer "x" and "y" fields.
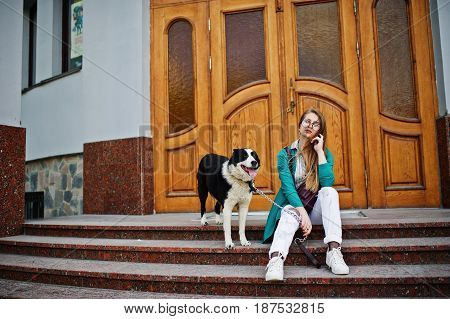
{"x": 399, "y": 102}
{"x": 247, "y": 125}
{"x": 322, "y": 72}
{"x": 245, "y": 85}
{"x": 180, "y": 111}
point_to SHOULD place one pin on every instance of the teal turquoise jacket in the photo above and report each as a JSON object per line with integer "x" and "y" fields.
{"x": 288, "y": 193}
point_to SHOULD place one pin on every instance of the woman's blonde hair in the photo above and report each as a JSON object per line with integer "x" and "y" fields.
{"x": 309, "y": 154}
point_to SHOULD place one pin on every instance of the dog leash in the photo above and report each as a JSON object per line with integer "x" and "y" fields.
{"x": 310, "y": 256}
{"x": 298, "y": 241}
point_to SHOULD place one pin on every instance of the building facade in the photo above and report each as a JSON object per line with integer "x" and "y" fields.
{"x": 108, "y": 106}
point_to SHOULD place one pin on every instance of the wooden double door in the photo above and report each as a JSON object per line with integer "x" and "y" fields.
{"x": 239, "y": 73}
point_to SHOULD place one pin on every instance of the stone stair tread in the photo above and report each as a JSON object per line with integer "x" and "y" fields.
{"x": 376, "y": 218}
{"x": 374, "y": 224}
{"x": 392, "y": 244}
{"x": 34, "y": 290}
{"x": 373, "y": 274}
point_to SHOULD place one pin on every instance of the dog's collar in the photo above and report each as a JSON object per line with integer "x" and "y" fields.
{"x": 250, "y": 183}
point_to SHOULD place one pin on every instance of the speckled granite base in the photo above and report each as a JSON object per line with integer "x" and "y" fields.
{"x": 13, "y": 289}
{"x": 362, "y": 282}
{"x": 118, "y": 177}
{"x": 443, "y": 132}
{"x": 434, "y": 250}
{"x": 401, "y": 253}
{"x": 12, "y": 180}
{"x": 119, "y": 230}
{"x": 61, "y": 180}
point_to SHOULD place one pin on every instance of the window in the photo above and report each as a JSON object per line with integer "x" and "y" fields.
{"x": 29, "y": 44}
{"x": 181, "y": 76}
{"x": 63, "y": 47}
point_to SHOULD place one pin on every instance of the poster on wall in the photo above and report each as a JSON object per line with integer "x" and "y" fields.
{"x": 76, "y": 30}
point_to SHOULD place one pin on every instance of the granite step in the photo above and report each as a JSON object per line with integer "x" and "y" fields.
{"x": 384, "y": 228}
{"x": 431, "y": 280}
{"x": 426, "y": 250}
{"x": 13, "y": 289}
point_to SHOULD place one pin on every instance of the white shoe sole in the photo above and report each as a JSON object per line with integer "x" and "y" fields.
{"x": 274, "y": 278}
{"x": 339, "y": 273}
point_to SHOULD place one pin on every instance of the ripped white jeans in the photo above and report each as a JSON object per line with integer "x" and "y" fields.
{"x": 325, "y": 212}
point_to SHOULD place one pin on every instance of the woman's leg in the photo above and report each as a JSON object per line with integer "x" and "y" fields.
{"x": 326, "y": 211}
{"x": 284, "y": 233}
{"x": 282, "y": 239}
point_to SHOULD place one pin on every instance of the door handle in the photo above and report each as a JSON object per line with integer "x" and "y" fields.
{"x": 291, "y": 106}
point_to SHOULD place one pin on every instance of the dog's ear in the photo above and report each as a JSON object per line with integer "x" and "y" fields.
{"x": 234, "y": 159}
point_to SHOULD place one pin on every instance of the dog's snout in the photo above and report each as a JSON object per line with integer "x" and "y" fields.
{"x": 254, "y": 163}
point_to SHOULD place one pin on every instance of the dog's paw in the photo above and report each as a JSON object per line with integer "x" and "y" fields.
{"x": 245, "y": 243}
{"x": 203, "y": 221}
{"x": 219, "y": 220}
{"x": 229, "y": 245}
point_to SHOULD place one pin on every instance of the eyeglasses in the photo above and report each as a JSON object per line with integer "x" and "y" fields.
{"x": 315, "y": 125}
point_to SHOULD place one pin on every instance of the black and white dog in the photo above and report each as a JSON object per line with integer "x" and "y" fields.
{"x": 229, "y": 181}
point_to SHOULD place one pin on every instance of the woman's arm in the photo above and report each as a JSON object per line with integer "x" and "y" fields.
{"x": 326, "y": 175}
{"x": 287, "y": 182}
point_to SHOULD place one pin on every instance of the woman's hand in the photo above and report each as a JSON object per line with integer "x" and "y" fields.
{"x": 306, "y": 225}
{"x": 318, "y": 140}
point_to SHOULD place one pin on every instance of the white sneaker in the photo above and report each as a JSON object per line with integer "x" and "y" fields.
{"x": 336, "y": 262}
{"x": 274, "y": 269}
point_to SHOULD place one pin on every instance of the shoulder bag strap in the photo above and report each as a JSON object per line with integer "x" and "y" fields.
{"x": 288, "y": 151}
